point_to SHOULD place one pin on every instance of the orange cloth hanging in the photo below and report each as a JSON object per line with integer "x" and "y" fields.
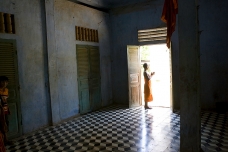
{"x": 170, "y": 9}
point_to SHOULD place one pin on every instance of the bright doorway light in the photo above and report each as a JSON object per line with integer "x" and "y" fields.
{"x": 158, "y": 56}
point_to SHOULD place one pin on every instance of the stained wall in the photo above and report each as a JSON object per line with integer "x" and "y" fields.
{"x": 116, "y": 30}
{"x": 42, "y": 103}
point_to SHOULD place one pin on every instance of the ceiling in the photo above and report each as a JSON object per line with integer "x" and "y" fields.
{"x": 109, "y": 4}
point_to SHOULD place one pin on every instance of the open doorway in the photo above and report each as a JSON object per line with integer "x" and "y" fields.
{"x": 159, "y": 58}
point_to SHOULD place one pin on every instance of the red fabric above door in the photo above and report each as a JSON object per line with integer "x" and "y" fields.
{"x": 170, "y": 9}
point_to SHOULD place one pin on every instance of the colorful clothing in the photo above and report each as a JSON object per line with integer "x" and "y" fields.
{"x": 4, "y": 105}
{"x": 4, "y": 92}
{"x": 4, "y": 95}
{"x": 148, "y": 97}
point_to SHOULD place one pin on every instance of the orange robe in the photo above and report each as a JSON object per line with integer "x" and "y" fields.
{"x": 148, "y": 97}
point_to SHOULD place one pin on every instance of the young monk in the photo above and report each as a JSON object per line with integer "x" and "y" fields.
{"x": 148, "y": 97}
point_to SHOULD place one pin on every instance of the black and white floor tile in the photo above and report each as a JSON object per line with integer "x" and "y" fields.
{"x": 214, "y": 131}
{"x": 119, "y": 129}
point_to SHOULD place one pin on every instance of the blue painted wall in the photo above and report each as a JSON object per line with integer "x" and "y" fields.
{"x": 116, "y": 30}
{"x": 32, "y": 64}
{"x": 125, "y": 25}
{"x": 213, "y": 42}
{"x": 67, "y": 15}
{"x": 213, "y": 25}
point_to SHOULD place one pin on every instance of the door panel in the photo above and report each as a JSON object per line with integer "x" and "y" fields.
{"x": 13, "y": 125}
{"x": 134, "y": 95}
{"x": 84, "y": 101}
{"x": 82, "y": 62}
{"x": 8, "y": 67}
{"x": 134, "y": 76}
{"x": 95, "y": 97}
{"x": 84, "y": 96}
{"x": 94, "y": 62}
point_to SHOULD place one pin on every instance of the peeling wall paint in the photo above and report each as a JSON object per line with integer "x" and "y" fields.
{"x": 68, "y": 15}
{"x": 34, "y": 63}
{"x": 123, "y": 25}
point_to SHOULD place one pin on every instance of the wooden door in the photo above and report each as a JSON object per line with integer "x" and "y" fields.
{"x": 89, "y": 84}
{"x": 83, "y": 78}
{"x": 8, "y": 67}
{"x": 94, "y": 78}
{"x": 134, "y": 76}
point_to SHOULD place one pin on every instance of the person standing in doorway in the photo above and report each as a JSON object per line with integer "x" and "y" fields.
{"x": 148, "y": 97}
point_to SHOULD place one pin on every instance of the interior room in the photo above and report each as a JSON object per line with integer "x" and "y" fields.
{"x": 76, "y": 83}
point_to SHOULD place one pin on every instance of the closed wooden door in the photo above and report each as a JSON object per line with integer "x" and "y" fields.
{"x": 134, "y": 76}
{"x": 8, "y": 67}
{"x": 83, "y": 78}
{"x": 88, "y": 64}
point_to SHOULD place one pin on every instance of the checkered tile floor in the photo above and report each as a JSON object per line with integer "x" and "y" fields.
{"x": 117, "y": 129}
